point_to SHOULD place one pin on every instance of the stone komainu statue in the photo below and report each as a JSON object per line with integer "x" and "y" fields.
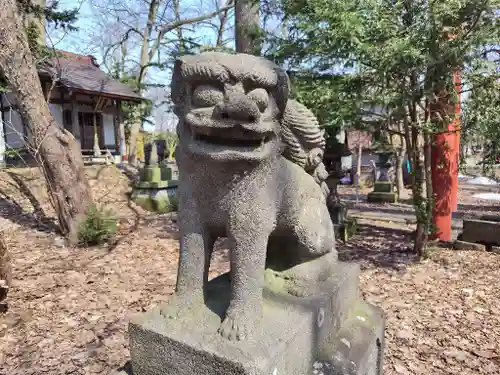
{"x": 250, "y": 167}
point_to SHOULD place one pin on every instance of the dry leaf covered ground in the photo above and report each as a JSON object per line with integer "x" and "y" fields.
{"x": 69, "y": 308}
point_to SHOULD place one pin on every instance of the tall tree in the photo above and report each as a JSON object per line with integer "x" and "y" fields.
{"x": 482, "y": 120}
{"x": 147, "y": 36}
{"x": 248, "y": 35}
{"x": 404, "y": 53}
{"x": 55, "y": 149}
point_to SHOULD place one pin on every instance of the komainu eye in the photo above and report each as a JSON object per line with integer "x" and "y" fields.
{"x": 261, "y": 97}
{"x": 207, "y": 96}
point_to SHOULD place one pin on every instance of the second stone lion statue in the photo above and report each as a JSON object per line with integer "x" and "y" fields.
{"x": 250, "y": 167}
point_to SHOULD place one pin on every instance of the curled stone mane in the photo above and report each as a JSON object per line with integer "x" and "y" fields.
{"x": 304, "y": 141}
{"x": 300, "y": 134}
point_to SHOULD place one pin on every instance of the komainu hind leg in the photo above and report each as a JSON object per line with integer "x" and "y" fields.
{"x": 312, "y": 257}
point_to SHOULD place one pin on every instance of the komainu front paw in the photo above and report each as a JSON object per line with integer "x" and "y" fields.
{"x": 236, "y": 328}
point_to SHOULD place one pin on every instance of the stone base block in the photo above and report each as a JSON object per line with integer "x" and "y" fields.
{"x": 463, "y": 245}
{"x": 156, "y": 200}
{"x": 157, "y": 184}
{"x": 483, "y": 231}
{"x": 382, "y": 197}
{"x": 295, "y": 334}
{"x": 156, "y": 173}
{"x": 383, "y": 187}
{"x": 358, "y": 347}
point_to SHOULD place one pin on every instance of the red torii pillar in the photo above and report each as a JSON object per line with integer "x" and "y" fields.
{"x": 445, "y": 151}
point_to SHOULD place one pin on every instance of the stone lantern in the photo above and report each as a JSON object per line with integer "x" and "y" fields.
{"x": 383, "y": 190}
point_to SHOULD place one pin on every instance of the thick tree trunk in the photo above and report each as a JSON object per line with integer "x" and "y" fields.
{"x": 420, "y": 203}
{"x": 56, "y": 149}
{"x": 400, "y": 158}
{"x": 358, "y": 170}
{"x": 417, "y": 180}
{"x": 144, "y": 62}
{"x": 247, "y": 27}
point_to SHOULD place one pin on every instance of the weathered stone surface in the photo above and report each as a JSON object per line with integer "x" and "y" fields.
{"x": 481, "y": 231}
{"x": 250, "y": 169}
{"x": 495, "y": 218}
{"x": 380, "y": 197}
{"x": 294, "y": 331}
{"x": 156, "y": 173}
{"x": 156, "y": 190}
{"x": 463, "y": 245}
{"x": 357, "y": 348}
{"x": 157, "y": 184}
{"x": 383, "y": 187}
{"x": 160, "y": 200}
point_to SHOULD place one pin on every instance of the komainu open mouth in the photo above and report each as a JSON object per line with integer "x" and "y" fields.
{"x": 232, "y": 142}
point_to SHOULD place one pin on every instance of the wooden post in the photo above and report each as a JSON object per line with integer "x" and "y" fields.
{"x": 75, "y": 121}
{"x": 116, "y": 127}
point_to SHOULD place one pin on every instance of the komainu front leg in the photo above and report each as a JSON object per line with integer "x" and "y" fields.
{"x": 248, "y": 257}
{"x": 196, "y": 246}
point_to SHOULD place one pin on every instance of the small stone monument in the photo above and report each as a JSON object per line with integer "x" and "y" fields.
{"x": 383, "y": 190}
{"x": 250, "y": 163}
{"x": 479, "y": 234}
{"x": 156, "y": 188}
{"x": 338, "y": 157}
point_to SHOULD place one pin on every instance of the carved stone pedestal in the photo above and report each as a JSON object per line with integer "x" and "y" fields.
{"x": 156, "y": 189}
{"x": 383, "y": 190}
{"x": 332, "y": 331}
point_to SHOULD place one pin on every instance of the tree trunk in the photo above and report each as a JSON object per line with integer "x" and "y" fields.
{"x": 400, "y": 186}
{"x": 56, "y": 149}
{"x": 247, "y": 27}
{"x": 5, "y": 268}
{"x": 417, "y": 179}
{"x": 144, "y": 63}
{"x": 420, "y": 202}
{"x": 358, "y": 169}
{"x": 400, "y": 159}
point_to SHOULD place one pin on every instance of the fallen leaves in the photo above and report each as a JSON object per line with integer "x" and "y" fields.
{"x": 442, "y": 313}
{"x": 69, "y": 308}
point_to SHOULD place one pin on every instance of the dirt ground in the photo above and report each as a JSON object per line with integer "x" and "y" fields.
{"x": 69, "y": 308}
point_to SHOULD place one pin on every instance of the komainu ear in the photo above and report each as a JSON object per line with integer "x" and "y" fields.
{"x": 178, "y": 87}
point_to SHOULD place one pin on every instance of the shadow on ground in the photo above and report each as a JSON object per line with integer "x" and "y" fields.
{"x": 377, "y": 246}
{"x": 12, "y": 211}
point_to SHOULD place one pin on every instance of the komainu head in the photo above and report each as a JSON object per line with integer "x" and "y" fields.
{"x": 230, "y": 107}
